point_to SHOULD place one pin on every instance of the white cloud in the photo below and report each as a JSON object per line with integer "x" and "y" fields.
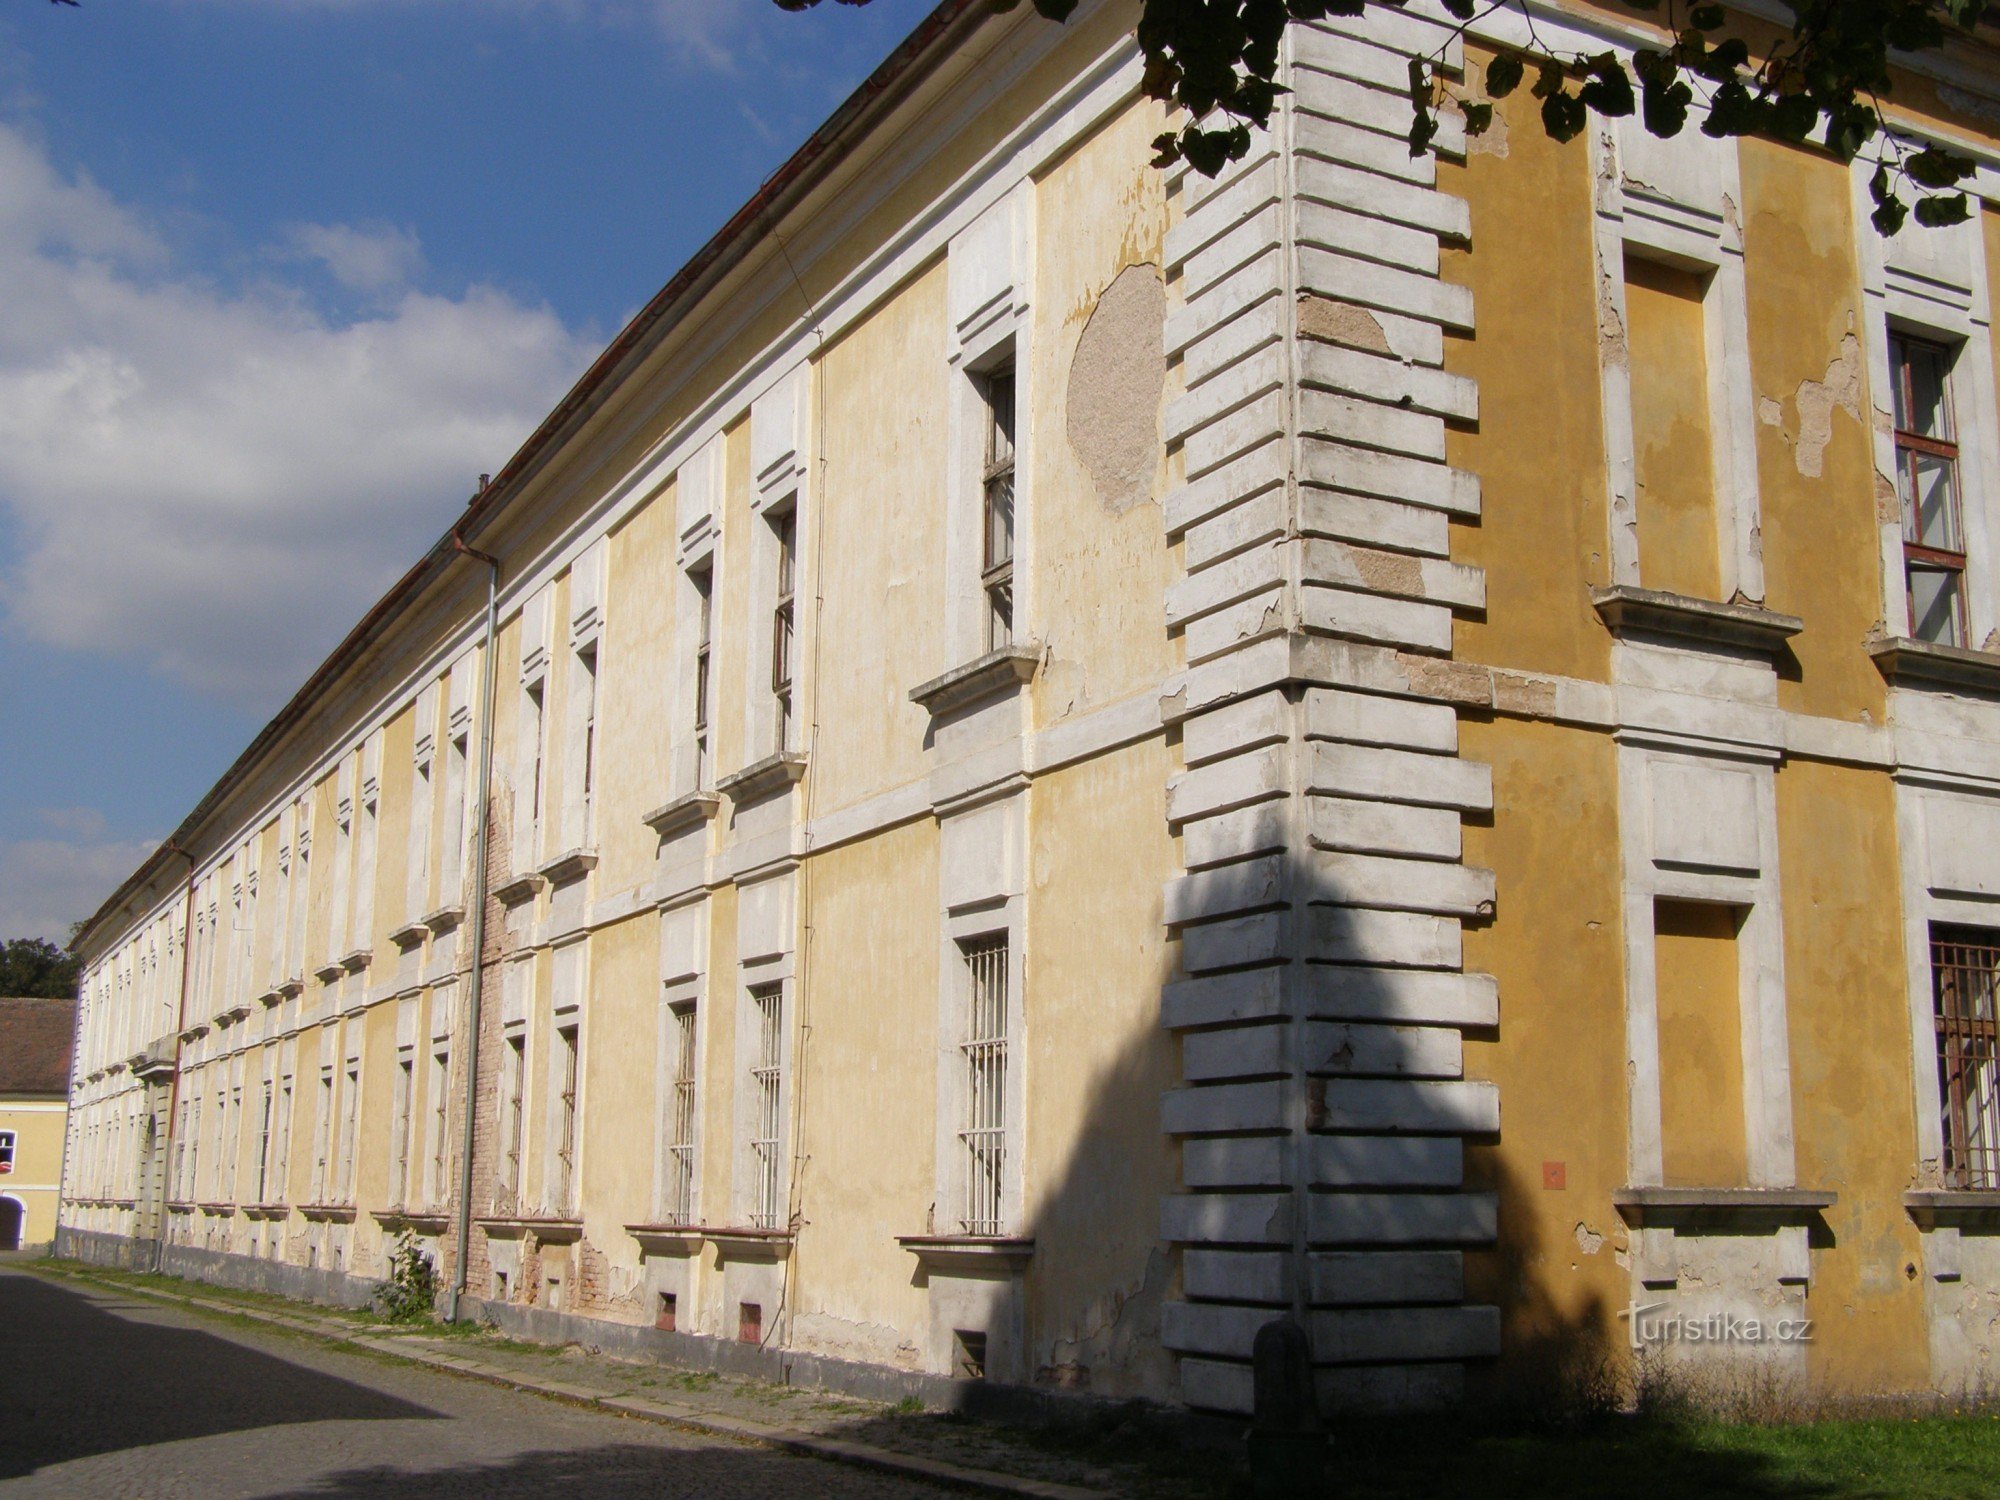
{"x": 47, "y": 884}
{"x": 218, "y": 483}
{"x": 364, "y": 260}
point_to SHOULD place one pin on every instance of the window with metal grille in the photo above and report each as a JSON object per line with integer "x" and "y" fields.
{"x": 997, "y": 505}
{"x": 786, "y": 527}
{"x": 440, "y": 1121}
{"x": 264, "y": 1144}
{"x": 566, "y": 1058}
{"x": 399, "y": 1139}
{"x": 703, "y": 580}
{"x": 767, "y": 1080}
{"x": 1965, "y": 977}
{"x": 678, "y": 1205}
{"x": 516, "y": 1061}
{"x": 983, "y": 1139}
{"x": 1927, "y": 482}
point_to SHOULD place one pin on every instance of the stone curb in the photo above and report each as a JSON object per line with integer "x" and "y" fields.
{"x": 835, "y": 1450}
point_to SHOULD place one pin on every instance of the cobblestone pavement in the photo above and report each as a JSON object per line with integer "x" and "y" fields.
{"x": 115, "y": 1395}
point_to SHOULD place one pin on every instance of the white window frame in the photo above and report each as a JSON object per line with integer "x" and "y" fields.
{"x": 569, "y": 971}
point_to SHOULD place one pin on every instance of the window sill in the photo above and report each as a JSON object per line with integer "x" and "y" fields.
{"x": 157, "y": 1061}
{"x": 266, "y": 1210}
{"x": 1953, "y": 1207}
{"x": 420, "y": 1220}
{"x": 1628, "y": 611}
{"x": 328, "y": 1213}
{"x": 763, "y": 778}
{"x": 409, "y": 935}
{"x": 988, "y": 676}
{"x": 358, "y": 960}
{"x": 690, "y": 810}
{"x": 668, "y": 1239}
{"x": 293, "y": 987}
{"x": 178, "y": 1207}
{"x": 229, "y": 1017}
{"x": 969, "y": 1252}
{"x": 218, "y": 1210}
{"x": 750, "y": 1244}
{"x": 521, "y": 888}
{"x": 195, "y": 1032}
{"x": 1736, "y": 1208}
{"x": 1921, "y": 664}
{"x": 271, "y": 998}
{"x": 548, "y": 1228}
{"x": 444, "y": 919}
{"x": 571, "y": 864}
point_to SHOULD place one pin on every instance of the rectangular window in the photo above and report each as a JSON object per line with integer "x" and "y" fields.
{"x": 586, "y": 662}
{"x": 281, "y": 1176}
{"x": 350, "y": 1116}
{"x": 264, "y": 1144}
{"x": 515, "y": 1063}
{"x": 1673, "y": 447}
{"x": 538, "y": 739}
{"x": 703, "y": 580}
{"x": 767, "y": 1081}
{"x": 566, "y": 1065}
{"x": 193, "y": 1185}
{"x": 678, "y": 1205}
{"x": 399, "y": 1140}
{"x": 1965, "y": 975}
{"x": 456, "y": 789}
{"x": 997, "y": 508}
{"x": 786, "y": 528}
{"x": 180, "y": 1190}
{"x": 983, "y": 1056}
{"x": 440, "y": 1085}
{"x": 6, "y": 1150}
{"x": 1927, "y": 483}
{"x": 323, "y": 1137}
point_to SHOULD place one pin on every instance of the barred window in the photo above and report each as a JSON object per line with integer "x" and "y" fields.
{"x": 767, "y": 1081}
{"x": 983, "y": 1053}
{"x": 1965, "y": 974}
{"x": 997, "y": 505}
{"x": 1927, "y": 482}
{"x": 678, "y": 1204}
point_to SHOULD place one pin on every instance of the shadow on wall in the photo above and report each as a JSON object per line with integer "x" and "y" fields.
{"x": 71, "y": 1380}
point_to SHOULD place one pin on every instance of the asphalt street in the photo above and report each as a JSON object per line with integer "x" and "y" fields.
{"x": 103, "y": 1394}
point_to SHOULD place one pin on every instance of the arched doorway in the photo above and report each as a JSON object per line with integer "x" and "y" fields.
{"x": 13, "y": 1216}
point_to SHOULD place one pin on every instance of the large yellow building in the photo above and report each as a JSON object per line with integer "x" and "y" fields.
{"x": 1077, "y": 757}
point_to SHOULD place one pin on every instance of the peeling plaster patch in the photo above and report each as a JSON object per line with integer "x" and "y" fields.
{"x": 1771, "y": 413}
{"x": 1494, "y": 141}
{"x": 1610, "y": 320}
{"x": 1888, "y": 504}
{"x": 1966, "y": 103}
{"x": 1453, "y": 681}
{"x": 1731, "y": 217}
{"x": 1816, "y": 401}
{"x": 1390, "y": 573}
{"x": 1529, "y": 696}
{"x": 1341, "y": 323}
{"x": 1116, "y": 380}
{"x": 1588, "y": 1240}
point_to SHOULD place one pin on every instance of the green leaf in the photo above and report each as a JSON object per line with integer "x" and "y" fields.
{"x": 1935, "y": 167}
{"x": 1503, "y": 75}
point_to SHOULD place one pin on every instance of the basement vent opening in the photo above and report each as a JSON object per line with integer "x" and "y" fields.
{"x": 664, "y": 1319}
{"x": 968, "y": 1354}
{"x": 750, "y": 1322}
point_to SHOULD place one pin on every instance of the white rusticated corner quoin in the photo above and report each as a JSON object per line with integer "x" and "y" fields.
{"x": 1322, "y": 1112}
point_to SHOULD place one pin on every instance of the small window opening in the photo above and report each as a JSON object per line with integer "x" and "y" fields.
{"x": 997, "y": 505}
{"x": 666, "y": 1318}
{"x": 750, "y": 1322}
{"x": 968, "y": 1354}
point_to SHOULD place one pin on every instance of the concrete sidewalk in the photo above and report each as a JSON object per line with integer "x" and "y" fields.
{"x": 939, "y": 1448}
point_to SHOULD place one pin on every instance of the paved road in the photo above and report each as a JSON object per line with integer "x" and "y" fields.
{"x": 103, "y": 1394}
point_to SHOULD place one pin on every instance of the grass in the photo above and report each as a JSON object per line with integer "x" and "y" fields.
{"x": 1940, "y": 1457}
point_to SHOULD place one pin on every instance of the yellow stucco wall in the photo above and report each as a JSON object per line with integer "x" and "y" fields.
{"x": 1697, "y": 988}
{"x": 1821, "y": 555}
{"x": 1556, "y": 946}
{"x": 1539, "y": 448}
{"x": 1853, "y": 1102}
{"x": 38, "y": 1126}
{"x": 1672, "y": 444}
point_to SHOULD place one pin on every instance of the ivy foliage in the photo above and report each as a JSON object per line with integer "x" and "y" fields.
{"x": 1821, "y": 80}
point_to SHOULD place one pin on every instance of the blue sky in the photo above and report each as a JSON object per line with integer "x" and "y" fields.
{"x": 278, "y": 279}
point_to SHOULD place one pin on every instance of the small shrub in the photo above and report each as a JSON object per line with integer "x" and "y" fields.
{"x": 411, "y": 1292}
